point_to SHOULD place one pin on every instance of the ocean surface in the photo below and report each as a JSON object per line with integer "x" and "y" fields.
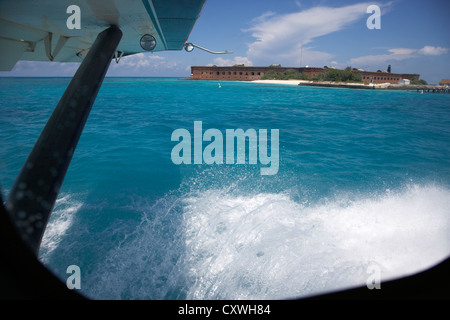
{"x": 363, "y": 184}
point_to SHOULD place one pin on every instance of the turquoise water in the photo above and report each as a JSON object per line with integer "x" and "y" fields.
{"x": 363, "y": 180}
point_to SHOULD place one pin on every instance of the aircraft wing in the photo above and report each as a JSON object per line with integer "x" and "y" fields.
{"x": 37, "y": 30}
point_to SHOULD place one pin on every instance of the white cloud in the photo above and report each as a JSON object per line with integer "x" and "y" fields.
{"x": 402, "y": 51}
{"x": 433, "y": 51}
{"x": 140, "y": 64}
{"x": 148, "y": 64}
{"x": 25, "y": 68}
{"x": 279, "y": 38}
{"x": 231, "y": 62}
{"x": 397, "y": 54}
{"x": 394, "y": 55}
{"x": 141, "y": 60}
{"x": 263, "y": 17}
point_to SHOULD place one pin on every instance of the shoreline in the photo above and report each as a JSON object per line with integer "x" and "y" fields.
{"x": 378, "y": 86}
{"x": 322, "y": 84}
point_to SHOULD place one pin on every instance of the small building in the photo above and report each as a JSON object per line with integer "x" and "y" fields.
{"x": 405, "y": 82}
{"x": 445, "y": 82}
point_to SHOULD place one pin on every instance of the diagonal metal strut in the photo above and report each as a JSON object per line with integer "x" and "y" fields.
{"x": 33, "y": 195}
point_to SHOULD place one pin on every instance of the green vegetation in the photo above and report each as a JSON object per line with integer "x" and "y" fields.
{"x": 419, "y": 82}
{"x": 290, "y": 74}
{"x": 334, "y": 75}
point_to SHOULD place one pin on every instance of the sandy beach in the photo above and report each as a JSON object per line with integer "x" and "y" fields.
{"x": 289, "y": 82}
{"x": 321, "y": 83}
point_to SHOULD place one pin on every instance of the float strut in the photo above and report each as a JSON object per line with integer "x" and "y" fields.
{"x": 33, "y": 195}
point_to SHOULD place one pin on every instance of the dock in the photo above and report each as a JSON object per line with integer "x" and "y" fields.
{"x": 434, "y": 89}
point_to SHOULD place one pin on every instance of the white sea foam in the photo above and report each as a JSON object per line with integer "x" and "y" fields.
{"x": 60, "y": 221}
{"x": 215, "y": 245}
{"x": 268, "y": 246}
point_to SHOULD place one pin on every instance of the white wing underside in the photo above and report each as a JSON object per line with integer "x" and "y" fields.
{"x": 36, "y": 30}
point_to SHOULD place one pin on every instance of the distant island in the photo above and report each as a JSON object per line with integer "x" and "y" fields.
{"x": 277, "y": 72}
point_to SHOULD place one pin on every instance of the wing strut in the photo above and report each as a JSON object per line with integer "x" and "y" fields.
{"x": 33, "y": 195}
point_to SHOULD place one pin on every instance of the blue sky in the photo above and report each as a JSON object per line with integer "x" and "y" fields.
{"x": 414, "y": 38}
